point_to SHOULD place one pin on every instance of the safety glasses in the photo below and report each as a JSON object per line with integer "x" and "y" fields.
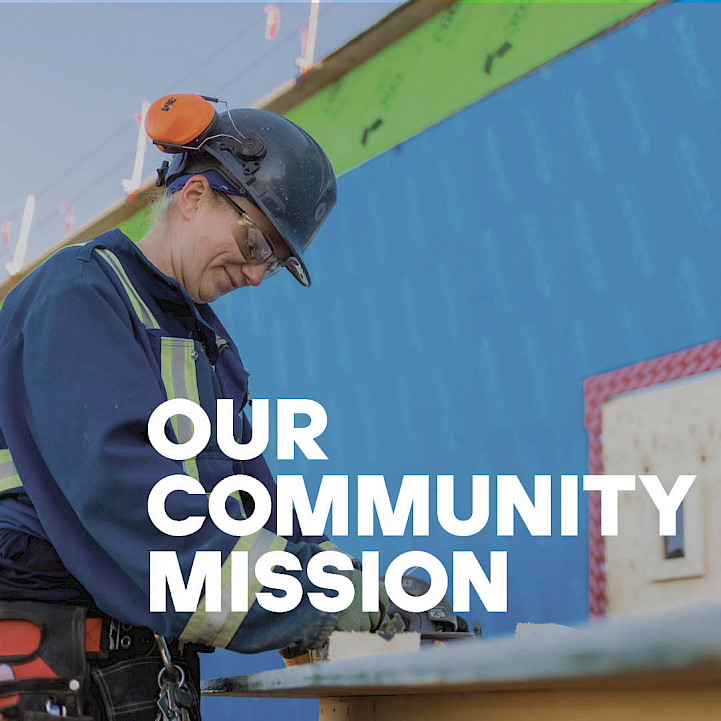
{"x": 255, "y": 247}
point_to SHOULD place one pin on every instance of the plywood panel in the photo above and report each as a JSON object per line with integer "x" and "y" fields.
{"x": 667, "y": 430}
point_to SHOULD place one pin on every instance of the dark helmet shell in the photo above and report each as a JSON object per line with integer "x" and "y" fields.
{"x": 277, "y": 165}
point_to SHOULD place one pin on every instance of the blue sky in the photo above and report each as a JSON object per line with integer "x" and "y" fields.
{"x": 74, "y": 76}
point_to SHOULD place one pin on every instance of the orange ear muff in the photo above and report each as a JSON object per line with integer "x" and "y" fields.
{"x": 177, "y": 120}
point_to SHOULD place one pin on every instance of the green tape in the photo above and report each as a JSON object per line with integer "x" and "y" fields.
{"x": 469, "y": 50}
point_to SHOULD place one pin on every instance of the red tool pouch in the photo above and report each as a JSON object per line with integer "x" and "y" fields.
{"x": 43, "y": 670}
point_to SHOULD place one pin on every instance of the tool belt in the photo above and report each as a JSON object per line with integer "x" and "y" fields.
{"x": 42, "y": 660}
{"x": 54, "y": 658}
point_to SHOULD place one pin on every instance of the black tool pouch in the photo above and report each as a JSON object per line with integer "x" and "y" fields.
{"x": 42, "y": 661}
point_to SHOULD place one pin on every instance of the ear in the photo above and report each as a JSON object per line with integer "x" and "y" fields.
{"x": 191, "y": 195}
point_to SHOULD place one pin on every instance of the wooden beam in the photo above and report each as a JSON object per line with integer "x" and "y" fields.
{"x": 119, "y": 212}
{"x": 362, "y": 47}
{"x": 670, "y": 703}
{"x": 383, "y": 33}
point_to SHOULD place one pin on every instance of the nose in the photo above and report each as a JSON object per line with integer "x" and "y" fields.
{"x": 254, "y": 273}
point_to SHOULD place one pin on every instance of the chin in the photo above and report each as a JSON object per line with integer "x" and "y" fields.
{"x": 203, "y": 298}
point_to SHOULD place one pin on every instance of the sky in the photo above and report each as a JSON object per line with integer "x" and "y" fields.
{"x": 75, "y": 75}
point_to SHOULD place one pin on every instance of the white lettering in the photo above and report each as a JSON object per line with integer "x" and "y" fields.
{"x": 165, "y": 573}
{"x": 332, "y": 495}
{"x": 289, "y": 436}
{"x": 373, "y": 494}
{"x": 512, "y": 495}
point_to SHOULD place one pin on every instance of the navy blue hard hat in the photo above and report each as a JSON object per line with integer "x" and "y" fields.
{"x": 275, "y": 164}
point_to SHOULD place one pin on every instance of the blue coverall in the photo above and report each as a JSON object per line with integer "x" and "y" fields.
{"x": 90, "y": 344}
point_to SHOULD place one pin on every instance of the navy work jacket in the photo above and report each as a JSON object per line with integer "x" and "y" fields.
{"x": 90, "y": 344}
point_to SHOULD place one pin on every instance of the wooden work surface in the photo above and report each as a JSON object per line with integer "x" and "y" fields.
{"x": 659, "y": 667}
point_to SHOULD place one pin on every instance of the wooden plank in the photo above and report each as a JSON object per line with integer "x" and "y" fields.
{"x": 640, "y": 704}
{"x": 345, "y": 644}
{"x": 666, "y": 646}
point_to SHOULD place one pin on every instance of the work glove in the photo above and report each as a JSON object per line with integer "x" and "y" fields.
{"x": 355, "y": 619}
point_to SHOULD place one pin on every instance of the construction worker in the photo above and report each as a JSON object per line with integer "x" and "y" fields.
{"x": 90, "y": 344}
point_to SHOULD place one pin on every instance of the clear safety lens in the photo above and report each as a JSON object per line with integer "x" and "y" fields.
{"x": 259, "y": 250}
{"x": 256, "y": 248}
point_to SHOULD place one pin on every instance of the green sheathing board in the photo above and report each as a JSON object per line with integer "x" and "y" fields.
{"x": 451, "y": 61}
{"x": 454, "y": 59}
{"x": 137, "y": 225}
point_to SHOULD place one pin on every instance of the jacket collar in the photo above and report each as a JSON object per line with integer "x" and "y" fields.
{"x": 161, "y": 287}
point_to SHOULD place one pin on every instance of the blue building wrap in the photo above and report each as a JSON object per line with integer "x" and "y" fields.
{"x": 473, "y": 276}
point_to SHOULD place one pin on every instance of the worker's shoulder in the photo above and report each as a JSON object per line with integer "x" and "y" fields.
{"x": 73, "y": 261}
{"x": 69, "y": 270}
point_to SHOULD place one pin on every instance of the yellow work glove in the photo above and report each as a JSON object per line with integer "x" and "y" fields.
{"x": 355, "y": 619}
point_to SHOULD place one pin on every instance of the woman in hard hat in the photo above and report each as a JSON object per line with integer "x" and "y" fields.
{"x": 90, "y": 344}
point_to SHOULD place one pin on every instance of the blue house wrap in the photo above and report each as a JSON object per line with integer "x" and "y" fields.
{"x": 473, "y": 276}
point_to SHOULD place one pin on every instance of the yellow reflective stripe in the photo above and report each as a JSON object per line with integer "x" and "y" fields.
{"x": 236, "y": 495}
{"x": 9, "y": 477}
{"x": 177, "y": 369}
{"x": 218, "y": 629}
{"x": 141, "y": 310}
{"x": 225, "y": 636}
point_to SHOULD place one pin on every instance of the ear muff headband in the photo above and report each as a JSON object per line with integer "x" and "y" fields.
{"x": 178, "y": 120}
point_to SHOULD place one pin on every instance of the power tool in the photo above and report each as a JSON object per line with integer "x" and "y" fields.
{"x": 439, "y": 623}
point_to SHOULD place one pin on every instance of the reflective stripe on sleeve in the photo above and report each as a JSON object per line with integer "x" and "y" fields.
{"x": 218, "y": 629}
{"x": 9, "y": 477}
{"x": 141, "y": 310}
{"x": 177, "y": 368}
